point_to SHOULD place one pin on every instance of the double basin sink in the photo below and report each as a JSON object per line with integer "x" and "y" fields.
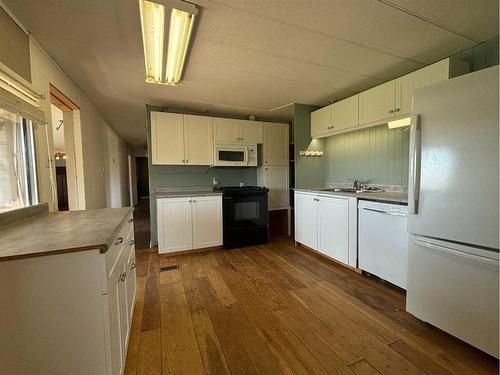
{"x": 352, "y": 190}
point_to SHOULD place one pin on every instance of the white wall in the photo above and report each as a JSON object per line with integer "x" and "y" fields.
{"x": 101, "y": 147}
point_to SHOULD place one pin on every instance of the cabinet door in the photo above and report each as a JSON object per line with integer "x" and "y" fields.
{"x": 249, "y": 131}
{"x": 377, "y": 103}
{"x": 333, "y": 224}
{"x": 167, "y": 138}
{"x": 114, "y": 321}
{"x": 306, "y": 220}
{"x": 131, "y": 281}
{"x": 345, "y": 113}
{"x": 423, "y": 77}
{"x": 198, "y": 140}
{"x": 174, "y": 224}
{"x": 207, "y": 221}
{"x": 276, "y": 180}
{"x": 123, "y": 307}
{"x": 321, "y": 121}
{"x": 225, "y": 130}
{"x": 275, "y": 144}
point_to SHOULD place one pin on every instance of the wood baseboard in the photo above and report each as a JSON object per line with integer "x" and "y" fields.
{"x": 192, "y": 251}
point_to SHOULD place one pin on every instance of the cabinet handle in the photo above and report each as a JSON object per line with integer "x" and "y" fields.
{"x": 316, "y": 199}
{"x": 133, "y": 266}
{"x": 190, "y": 201}
{"x": 266, "y": 161}
{"x": 119, "y": 240}
{"x": 187, "y": 161}
{"x": 391, "y": 111}
{"x": 397, "y": 109}
{"x": 194, "y": 201}
{"x": 131, "y": 242}
{"x": 130, "y": 220}
{"x": 123, "y": 276}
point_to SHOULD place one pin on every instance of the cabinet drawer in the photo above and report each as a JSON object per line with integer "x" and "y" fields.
{"x": 119, "y": 242}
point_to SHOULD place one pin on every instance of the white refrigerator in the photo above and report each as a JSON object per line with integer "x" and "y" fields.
{"x": 453, "y": 208}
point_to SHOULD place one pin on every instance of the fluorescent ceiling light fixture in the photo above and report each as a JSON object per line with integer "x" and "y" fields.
{"x": 165, "y": 63}
{"x": 401, "y": 123}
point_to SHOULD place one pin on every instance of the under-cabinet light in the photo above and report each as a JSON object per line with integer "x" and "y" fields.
{"x": 164, "y": 64}
{"x": 399, "y": 123}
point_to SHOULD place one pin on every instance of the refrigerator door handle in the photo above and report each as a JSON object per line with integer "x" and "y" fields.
{"x": 447, "y": 250}
{"x": 414, "y": 170}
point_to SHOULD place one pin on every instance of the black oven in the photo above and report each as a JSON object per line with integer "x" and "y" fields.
{"x": 245, "y": 216}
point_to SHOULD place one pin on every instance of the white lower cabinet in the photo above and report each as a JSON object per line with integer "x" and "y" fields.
{"x": 328, "y": 225}
{"x": 333, "y": 228}
{"x": 187, "y": 223}
{"x": 79, "y": 314}
{"x": 306, "y": 220}
{"x": 207, "y": 222}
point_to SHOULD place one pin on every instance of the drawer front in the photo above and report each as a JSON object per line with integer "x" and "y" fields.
{"x": 119, "y": 243}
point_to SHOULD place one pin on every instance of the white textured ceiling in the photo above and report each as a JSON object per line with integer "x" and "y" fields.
{"x": 250, "y": 56}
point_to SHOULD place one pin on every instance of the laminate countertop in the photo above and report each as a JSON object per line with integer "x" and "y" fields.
{"x": 383, "y": 196}
{"x": 186, "y": 193}
{"x": 61, "y": 232}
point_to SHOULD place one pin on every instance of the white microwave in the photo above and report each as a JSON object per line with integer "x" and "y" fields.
{"x": 235, "y": 155}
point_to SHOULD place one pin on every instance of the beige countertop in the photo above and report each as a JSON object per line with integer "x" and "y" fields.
{"x": 61, "y": 232}
{"x": 384, "y": 196}
{"x": 187, "y": 193}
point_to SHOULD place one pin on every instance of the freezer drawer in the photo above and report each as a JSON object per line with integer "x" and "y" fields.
{"x": 383, "y": 241}
{"x": 455, "y": 288}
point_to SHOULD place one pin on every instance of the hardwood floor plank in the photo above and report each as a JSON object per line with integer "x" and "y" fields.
{"x": 418, "y": 358}
{"x": 383, "y": 358}
{"x": 180, "y": 352}
{"x": 363, "y": 368}
{"x": 246, "y": 351}
{"x": 149, "y": 361}
{"x": 276, "y": 309}
{"x": 426, "y": 347}
{"x": 151, "y": 318}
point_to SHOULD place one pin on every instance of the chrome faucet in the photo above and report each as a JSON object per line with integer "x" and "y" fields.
{"x": 356, "y": 184}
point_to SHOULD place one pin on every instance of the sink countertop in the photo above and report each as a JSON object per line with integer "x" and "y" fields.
{"x": 384, "y": 196}
{"x": 61, "y": 232}
{"x": 186, "y": 193}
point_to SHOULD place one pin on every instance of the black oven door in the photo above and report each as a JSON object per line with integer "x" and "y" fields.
{"x": 246, "y": 211}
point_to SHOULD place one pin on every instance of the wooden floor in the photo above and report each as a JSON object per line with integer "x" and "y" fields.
{"x": 276, "y": 309}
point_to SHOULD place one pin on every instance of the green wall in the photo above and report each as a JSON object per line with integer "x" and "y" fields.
{"x": 309, "y": 171}
{"x": 187, "y": 176}
{"x": 376, "y": 155}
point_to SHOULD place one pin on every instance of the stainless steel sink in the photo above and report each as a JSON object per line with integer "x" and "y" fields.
{"x": 355, "y": 191}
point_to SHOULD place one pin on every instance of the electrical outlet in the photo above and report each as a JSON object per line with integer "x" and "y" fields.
{"x": 215, "y": 181}
{"x": 242, "y": 184}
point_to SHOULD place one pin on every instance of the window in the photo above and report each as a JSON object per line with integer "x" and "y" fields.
{"x": 18, "y": 187}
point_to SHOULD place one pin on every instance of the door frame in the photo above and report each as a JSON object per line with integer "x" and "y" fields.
{"x": 73, "y": 146}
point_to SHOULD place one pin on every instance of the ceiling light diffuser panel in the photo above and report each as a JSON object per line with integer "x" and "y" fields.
{"x": 166, "y": 31}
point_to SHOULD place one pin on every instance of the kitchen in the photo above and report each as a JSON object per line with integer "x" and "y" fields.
{"x": 355, "y": 234}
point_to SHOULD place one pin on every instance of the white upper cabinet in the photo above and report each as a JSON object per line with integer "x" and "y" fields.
{"x": 236, "y": 131}
{"x": 375, "y": 106}
{"x": 275, "y": 148}
{"x": 249, "y": 131}
{"x": 377, "y": 103}
{"x": 167, "y": 138}
{"x": 321, "y": 121}
{"x": 225, "y": 130}
{"x": 198, "y": 140}
{"x": 423, "y": 77}
{"x": 345, "y": 114}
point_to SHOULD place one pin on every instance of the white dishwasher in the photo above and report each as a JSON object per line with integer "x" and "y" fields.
{"x": 383, "y": 241}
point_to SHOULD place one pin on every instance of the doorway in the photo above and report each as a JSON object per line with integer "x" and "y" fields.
{"x": 60, "y": 158}
{"x": 67, "y": 179}
{"x": 142, "y": 177}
